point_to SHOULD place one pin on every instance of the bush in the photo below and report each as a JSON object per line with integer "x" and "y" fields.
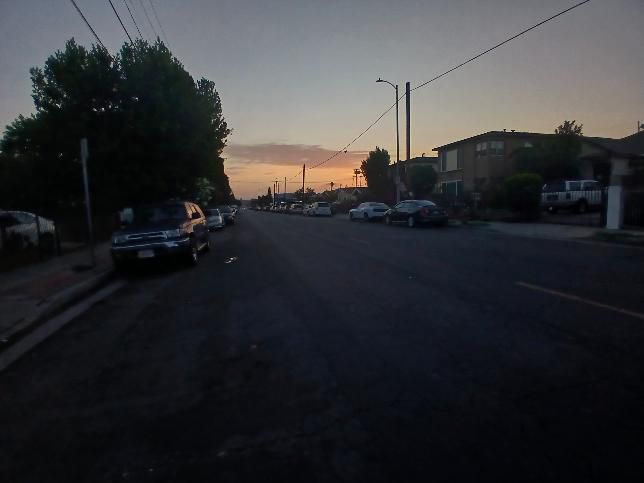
{"x": 522, "y": 194}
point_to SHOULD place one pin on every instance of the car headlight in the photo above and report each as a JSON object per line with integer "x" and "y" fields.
{"x": 116, "y": 239}
{"x": 175, "y": 233}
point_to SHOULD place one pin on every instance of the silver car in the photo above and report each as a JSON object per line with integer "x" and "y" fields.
{"x": 214, "y": 220}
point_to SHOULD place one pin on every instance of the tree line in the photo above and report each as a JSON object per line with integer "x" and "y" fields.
{"x": 154, "y": 133}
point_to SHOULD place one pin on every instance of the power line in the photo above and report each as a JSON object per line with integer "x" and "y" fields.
{"x": 500, "y": 44}
{"x": 132, "y": 17}
{"x": 88, "y": 24}
{"x": 131, "y": 2}
{"x": 121, "y": 21}
{"x": 154, "y": 11}
{"x": 145, "y": 11}
{"x": 444, "y": 74}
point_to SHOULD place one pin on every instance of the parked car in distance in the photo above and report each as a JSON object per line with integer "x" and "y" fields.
{"x": 214, "y": 219}
{"x": 307, "y": 209}
{"x": 371, "y": 210}
{"x": 581, "y": 195}
{"x": 320, "y": 208}
{"x": 23, "y": 229}
{"x": 227, "y": 214}
{"x": 175, "y": 229}
{"x": 416, "y": 212}
{"x": 296, "y": 208}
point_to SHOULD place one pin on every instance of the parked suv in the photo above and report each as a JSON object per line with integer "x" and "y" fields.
{"x": 320, "y": 208}
{"x": 160, "y": 230}
{"x": 581, "y": 195}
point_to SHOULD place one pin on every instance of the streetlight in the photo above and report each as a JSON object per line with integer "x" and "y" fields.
{"x": 397, "y": 180}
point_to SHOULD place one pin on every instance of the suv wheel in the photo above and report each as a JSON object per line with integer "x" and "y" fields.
{"x": 387, "y": 220}
{"x": 350, "y": 216}
{"x": 366, "y": 217}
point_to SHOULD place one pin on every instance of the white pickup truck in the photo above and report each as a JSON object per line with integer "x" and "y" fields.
{"x": 581, "y": 195}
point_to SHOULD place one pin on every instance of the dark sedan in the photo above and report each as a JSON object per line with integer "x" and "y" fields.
{"x": 417, "y": 212}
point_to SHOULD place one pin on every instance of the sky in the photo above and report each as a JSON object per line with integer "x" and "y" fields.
{"x": 297, "y": 77}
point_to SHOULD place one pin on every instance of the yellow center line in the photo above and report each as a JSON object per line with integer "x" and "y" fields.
{"x": 582, "y": 300}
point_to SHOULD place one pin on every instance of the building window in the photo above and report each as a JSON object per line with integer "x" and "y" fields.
{"x": 451, "y": 160}
{"x": 481, "y": 150}
{"x": 453, "y": 189}
{"x": 496, "y": 148}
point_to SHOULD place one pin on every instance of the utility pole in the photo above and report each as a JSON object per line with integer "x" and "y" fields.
{"x": 407, "y": 105}
{"x": 275, "y": 190}
{"x": 84, "y": 151}
{"x": 356, "y": 172}
{"x": 284, "y": 184}
{"x": 303, "y": 176}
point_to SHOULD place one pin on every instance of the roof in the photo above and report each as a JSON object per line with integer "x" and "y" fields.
{"x": 419, "y": 160}
{"x": 632, "y": 145}
{"x": 497, "y": 134}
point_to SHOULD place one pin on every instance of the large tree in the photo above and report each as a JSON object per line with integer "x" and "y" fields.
{"x": 375, "y": 170}
{"x": 422, "y": 180}
{"x": 555, "y": 158}
{"x": 153, "y": 132}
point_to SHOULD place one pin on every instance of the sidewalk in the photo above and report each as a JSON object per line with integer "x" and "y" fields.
{"x": 557, "y": 232}
{"x": 32, "y": 294}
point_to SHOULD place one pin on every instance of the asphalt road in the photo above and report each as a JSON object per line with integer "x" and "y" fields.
{"x": 338, "y": 351}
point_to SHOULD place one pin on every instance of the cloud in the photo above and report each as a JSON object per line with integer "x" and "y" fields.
{"x": 290, "y": 155}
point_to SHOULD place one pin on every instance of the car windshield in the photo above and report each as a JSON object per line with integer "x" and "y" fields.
{"x": 156, "y": 214}
{"x": 225, "y": 209}
{"x": 213, "y": 212}
{"x": 424, "y": 203}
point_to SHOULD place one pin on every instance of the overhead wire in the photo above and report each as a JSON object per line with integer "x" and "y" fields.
{"x": 523, "y": 32}
{"x": 154, "y": 11}
{"x": 88, "y": 24}
{"x": 120, "y": 21}
{"x": 145, "y": 11}
{"x": 500, "y": 44}
{"x": 133, "y": 20}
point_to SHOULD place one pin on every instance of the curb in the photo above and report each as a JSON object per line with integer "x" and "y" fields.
{"x": 53, "y": 325}
{"x": 52, "y": 306}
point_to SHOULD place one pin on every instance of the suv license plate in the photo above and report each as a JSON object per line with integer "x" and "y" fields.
{"x": 145, "y": 254}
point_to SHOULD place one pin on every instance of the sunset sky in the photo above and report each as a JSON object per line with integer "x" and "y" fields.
{"x": 297, "y": 78}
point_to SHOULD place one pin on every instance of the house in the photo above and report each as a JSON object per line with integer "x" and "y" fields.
{"x": 621, "y": 161}
{"x": 482, "y": 161}
{"x": 349, "y": 194}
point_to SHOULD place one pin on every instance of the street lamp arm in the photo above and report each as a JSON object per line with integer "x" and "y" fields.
{"x": 382, "y": 80}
